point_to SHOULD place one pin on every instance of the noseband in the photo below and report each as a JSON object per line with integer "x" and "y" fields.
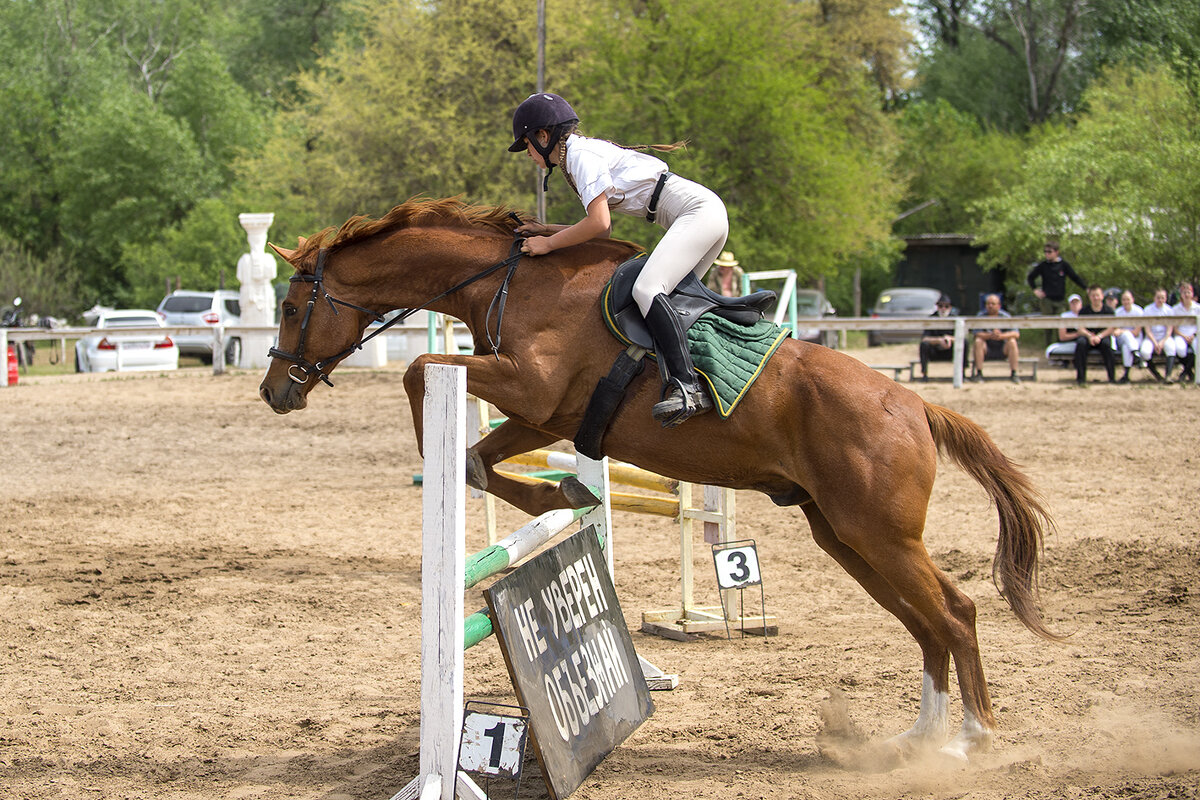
{"x": 302, "y": 369}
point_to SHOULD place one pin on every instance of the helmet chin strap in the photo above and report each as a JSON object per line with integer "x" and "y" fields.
{"x": 545, "y": 152}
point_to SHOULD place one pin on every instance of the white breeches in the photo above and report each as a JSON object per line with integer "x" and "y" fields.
{"x": 1181, "y": 346}
{"x": 697, "y": 226}
{"x": 1128, "y": 344}
{"x": 1168, "y": 347}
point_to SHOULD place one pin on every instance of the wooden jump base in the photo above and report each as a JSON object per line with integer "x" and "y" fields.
{"x": 717, "y": 516}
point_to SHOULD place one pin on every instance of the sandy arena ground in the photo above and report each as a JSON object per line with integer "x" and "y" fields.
{"x": 201, "y": 599}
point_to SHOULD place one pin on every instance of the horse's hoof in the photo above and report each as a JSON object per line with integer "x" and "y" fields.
{"x": 476, "y": 472}
{"x": 578, "y": 495}
{"x": 970, "y": 740}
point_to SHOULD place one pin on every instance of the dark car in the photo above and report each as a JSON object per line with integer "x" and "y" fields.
{"x": 902, "y": 301}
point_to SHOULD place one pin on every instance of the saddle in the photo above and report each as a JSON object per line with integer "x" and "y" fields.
{"x": 691, "y": 299}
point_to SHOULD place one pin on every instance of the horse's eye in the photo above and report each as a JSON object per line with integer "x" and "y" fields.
{"x": 289, "y": 310}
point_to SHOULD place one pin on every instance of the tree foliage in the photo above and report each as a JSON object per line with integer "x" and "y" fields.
{"x": 950, "y": 162}
{"x": 781, "y": 128}
{"x": 993, "y": 57}
{"x": 1117, "y": 187}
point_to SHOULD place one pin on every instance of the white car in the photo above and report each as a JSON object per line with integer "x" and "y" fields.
{"x": 116, "y": 351}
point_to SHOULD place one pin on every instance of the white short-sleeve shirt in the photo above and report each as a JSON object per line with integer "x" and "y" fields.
{"x": 1153, "y": 310}
{"x": 625, "y": 177}
{"x": 1178, "y": 308}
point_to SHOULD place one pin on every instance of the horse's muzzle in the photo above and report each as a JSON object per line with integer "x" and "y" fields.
{"x": 285, "y": 399}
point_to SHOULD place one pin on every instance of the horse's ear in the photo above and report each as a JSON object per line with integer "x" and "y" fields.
{"x": 286, "y": 255}
{"x": 302, "y": 240}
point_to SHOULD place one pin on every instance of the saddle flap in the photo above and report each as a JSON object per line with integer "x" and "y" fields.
{"x": 691, "y": 299}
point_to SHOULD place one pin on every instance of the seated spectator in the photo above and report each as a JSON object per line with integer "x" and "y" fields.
{"x": 996, "y": 342}
{"x": 938, "y": 343}
{"x": 1129, "y": 340}
{"x": 1100, "y": 339}
{"x": 1156, "y": 339}
{"x": 1184, "y": 335}
{"x": 1064, "y": 348}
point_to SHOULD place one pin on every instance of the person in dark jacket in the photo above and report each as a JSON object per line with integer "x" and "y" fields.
{"x": 1052, "y": 271}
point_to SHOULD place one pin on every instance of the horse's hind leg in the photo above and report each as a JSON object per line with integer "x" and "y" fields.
{"x": 530, "y": 495}
{"x": 891, "y": 545}
{"x": 933, "y": 723}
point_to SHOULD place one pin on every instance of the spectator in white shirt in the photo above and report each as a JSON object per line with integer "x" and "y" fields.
{"x": 1128, "y": 339}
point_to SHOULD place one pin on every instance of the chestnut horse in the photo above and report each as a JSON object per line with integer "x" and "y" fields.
{"x": 856, "y": 451}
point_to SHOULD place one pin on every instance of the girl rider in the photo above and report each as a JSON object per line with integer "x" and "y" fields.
{"x": 609, "y": 178}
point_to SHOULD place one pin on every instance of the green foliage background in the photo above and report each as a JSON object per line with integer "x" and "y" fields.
{"x": 137, "y": 130}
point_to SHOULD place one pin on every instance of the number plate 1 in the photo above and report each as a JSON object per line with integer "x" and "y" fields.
{"x": 492, "y": 744}
{"x": 737, "y": 564}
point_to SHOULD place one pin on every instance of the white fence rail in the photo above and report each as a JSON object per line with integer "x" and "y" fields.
{"x": 417, "y": 337}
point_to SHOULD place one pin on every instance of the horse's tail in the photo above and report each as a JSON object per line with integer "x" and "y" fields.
{"x": 1023, "y": 514}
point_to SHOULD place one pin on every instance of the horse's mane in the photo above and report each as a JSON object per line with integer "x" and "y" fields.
{"x": 450, "y": 211}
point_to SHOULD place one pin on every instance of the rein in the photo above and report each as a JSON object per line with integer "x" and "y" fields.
{"x": 302, "y": 369}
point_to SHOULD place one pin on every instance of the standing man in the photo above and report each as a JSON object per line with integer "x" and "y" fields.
{"x": 1053, "y": 271}
{"x": 1095, "y": 338}
{"x": 725, "y": 276}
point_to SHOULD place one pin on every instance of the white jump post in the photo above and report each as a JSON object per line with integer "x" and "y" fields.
{"x": 442, "y": 587}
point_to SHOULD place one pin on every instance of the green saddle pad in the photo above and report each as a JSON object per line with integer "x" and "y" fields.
{"x": 730, "y": 357}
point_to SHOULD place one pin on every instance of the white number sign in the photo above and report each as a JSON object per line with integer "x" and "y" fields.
{"x": 492, "y": 744}
{"x": 737, "y": 566}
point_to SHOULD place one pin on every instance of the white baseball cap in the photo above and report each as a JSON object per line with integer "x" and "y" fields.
{"x": 1074, "y": 297}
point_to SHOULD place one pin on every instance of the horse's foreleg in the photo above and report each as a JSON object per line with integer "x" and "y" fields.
{"x": 414, "y": 384}
{"x": 933, "y": 721}
{"x": 528, "y": 494}
{"x": 501, "y": 381}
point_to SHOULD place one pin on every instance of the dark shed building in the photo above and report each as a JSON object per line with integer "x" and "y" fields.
{"x": 949, "y": 262}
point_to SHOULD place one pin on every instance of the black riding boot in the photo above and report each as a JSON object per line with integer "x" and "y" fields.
{"x": 1170, "y": 369}
{"x": 682, "y": 393}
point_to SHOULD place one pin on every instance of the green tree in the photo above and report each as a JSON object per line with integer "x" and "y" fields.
{"x": 1118, "y": 187}
{"x": 1138, "y": 32}
{"x": 201, "y": 252}
{"x": 951, "y": 162}
{"x": 790, "y": 138}
{"x": 125, "y": 171}
{"x": 993, "y": 57}
{"x": 47, "y": 285}
{"x": 271, "y": 43}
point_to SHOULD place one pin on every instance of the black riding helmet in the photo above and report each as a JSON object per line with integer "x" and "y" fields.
{"x": 538, "y": 111}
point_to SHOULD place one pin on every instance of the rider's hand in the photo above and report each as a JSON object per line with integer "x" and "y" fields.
{"x": 537, "y": 246}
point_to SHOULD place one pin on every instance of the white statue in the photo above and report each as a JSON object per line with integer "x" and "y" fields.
{"x": 255, "y": 271}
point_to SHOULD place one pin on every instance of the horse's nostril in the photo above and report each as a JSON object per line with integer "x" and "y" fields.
{"x": 265, "y": 394}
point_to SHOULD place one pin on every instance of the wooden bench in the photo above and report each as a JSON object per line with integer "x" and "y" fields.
{"x": 896, "y": 369}
{"x": 1022, "y": 364}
